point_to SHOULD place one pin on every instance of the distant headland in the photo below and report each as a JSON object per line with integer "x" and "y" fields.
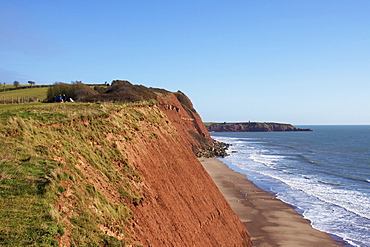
{"x": 251, "y": 127}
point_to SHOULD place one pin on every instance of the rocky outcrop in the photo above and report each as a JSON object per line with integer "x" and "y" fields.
{"x": 213, "y": 149}
{"x": 251, "y": 127}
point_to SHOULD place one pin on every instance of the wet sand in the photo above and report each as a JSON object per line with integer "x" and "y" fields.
{"x": 269, "y": 221}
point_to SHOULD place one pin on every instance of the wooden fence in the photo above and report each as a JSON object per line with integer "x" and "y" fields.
{"x": 18, "y": 100}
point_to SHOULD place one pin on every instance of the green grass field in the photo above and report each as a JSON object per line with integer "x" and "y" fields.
{"x": 30, "y": 92}
{"x": 6, "y": 86}
{"x": 2, "y": 86}
{"x": 36, "y": 92}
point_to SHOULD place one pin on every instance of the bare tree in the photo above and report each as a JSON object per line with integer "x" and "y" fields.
{"x": 16, "y": 83}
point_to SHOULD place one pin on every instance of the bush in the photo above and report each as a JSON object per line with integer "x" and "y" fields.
{"x": 119, "y": 91}
{"x": 70, "y": 90}
{"x": 83, "y": 93}
{"x": 123, "y": 91}
{"x": 100, "y": 89}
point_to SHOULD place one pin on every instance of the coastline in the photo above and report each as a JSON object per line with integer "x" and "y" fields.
{"x": 269, "y": 221}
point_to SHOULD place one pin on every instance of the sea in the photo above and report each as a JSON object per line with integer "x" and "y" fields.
{"x": 324, "y": 174}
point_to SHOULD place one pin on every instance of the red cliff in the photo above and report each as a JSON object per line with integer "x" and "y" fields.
{"x": 182, "y": 205}
{"x": 251, "y": 127}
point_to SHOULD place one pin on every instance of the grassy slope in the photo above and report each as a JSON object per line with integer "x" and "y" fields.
{"x": 2, "y": 86}
{"x": 31, "y": 92}
{"x": 208, "y": 123}
{"x": 39, "y": 93}
{"x": 41, "y": 146}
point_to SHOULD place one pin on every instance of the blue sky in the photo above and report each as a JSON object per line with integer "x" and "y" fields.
{"x": 291, "y": 61}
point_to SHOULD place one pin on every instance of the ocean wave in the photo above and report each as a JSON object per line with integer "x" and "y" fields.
{"x": 305, "y": 158}
{"x": 323, "y": 182}
{"x": 268, "y": 160}
{"x": 353, "y": 201}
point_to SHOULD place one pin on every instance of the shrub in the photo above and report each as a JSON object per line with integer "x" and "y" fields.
{"x": 70, "y": 90}
{"x": 100, "y": 89}
{"x": 123, "y": 91}
{"x": 81, "y": 94}
{"x": 120, "y": 91}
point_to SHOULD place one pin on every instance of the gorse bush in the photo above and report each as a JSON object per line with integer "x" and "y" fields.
{"x": 119, "y": 91}
{"x": 83, "y": 93}
{"x": 70, "y": 90}
{"x": 122, "y": 91}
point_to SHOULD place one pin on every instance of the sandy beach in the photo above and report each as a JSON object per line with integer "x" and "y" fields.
{"x": 269, "y": 221}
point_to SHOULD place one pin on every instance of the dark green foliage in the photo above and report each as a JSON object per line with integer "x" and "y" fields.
{"x": 119, "y": 91}
{"x": 122, "y": 91}
{"x": 72, "y": 90}
{"x": 80, "y": 95}
{"x": 100, "y": 89}
{"x": 185, "y": 101}
{"x": 31, "y": 83}
{"x": 160, "y": 91}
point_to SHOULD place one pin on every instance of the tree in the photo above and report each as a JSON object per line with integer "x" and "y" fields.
{"x": 16, "y": 83}
{"x": 31, "y": 83}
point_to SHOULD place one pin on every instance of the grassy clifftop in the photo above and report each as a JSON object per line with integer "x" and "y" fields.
{"x": 44, "y": 152}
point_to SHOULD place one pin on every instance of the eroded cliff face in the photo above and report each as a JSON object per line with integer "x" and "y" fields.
{"x": 181, "y": 206}
{"x": 175, "y": 202}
